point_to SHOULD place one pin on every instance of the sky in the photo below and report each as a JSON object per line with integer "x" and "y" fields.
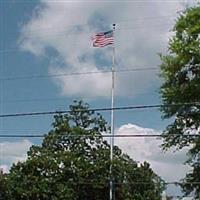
{"x": 42, "y": 41}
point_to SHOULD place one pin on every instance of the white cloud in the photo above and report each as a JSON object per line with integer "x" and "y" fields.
{"x": 66, "y": 27}
{"x": 4, "y": 168}
{"x": 96, "y": 84}
{"x": 140, "y": 149}
{"x": 148, "y": 149}
{"x": 12, "y": 152}
{"x": 169, "y": 165}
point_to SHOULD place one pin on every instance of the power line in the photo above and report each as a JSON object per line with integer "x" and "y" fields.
{"x": 140, "y": 183}
{"x": 9, "y": 101}
{"x": 95, "y": 136}
{"x": 64, "y": 33}
{"x": 16, "y": 49}
{"x": 143, "y": 27}
{"x": 138, "y": 69}
{"x": 73, "y": 33}
{"x": 100, "y": 109}
{"x": 132, "y": 183}
{"x": 165, "y": 183}
{"x": 10, "y": 50}
{"x": 86, "y": 24}
{"x": 146, "y": 18}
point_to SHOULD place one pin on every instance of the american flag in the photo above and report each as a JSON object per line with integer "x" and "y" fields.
{"x": 103, "y": 39}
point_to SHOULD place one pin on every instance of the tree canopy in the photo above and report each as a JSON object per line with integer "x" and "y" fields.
{"x": 73, "y": 161}
{"x": 180, "y": 70}
{"x": 3, "y": 186}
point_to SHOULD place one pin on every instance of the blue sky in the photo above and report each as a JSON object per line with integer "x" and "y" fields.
{"x": 41, "y": 94}
{"x": 53, "y": 37}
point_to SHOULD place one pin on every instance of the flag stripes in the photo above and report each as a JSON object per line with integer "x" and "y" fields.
{"x": 103, "y": 39}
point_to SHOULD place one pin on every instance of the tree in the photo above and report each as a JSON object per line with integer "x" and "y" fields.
{"x": 180, "y": 70}
{"x": 3, "y": 186}
{"x": 73, "y": 163}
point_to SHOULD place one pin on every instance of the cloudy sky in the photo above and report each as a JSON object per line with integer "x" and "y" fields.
{"x": 42, "y": 42}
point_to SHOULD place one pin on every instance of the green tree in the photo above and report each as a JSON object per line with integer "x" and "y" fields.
{"x": 180, "y": 70}
{"x": 73, "y": 164}
{"x": 4, "y": 191}
{"x": 3, "y": 187}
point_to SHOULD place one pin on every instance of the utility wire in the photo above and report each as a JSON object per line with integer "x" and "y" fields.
{"x": 108, "y": 24}
{"x": 153, "y": 37}
{"x": 138, "y": 69}
{"x": 145, "y": 18}
{"x": 100, "y": 109}
{"x": 95, "y": 136}
{"x": 73, "y": 33}
{"x": 165, "y": 183}
{"x": 143, "y": 27}
{"x": 131, "y": 183}
{"x": 9, "y": 101}
{"x": 10, "y": 50}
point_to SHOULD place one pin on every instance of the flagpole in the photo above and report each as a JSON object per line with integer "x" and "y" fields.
{"x": 112, "y": 120}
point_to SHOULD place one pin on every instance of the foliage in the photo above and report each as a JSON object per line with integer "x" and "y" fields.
{"x": 180, "y": 70}
{"x": 73, "y": 163}
{"x": 3, "y": 186}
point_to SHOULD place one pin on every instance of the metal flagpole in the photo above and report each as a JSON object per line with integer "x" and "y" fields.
{"x": 112, "y": 120}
